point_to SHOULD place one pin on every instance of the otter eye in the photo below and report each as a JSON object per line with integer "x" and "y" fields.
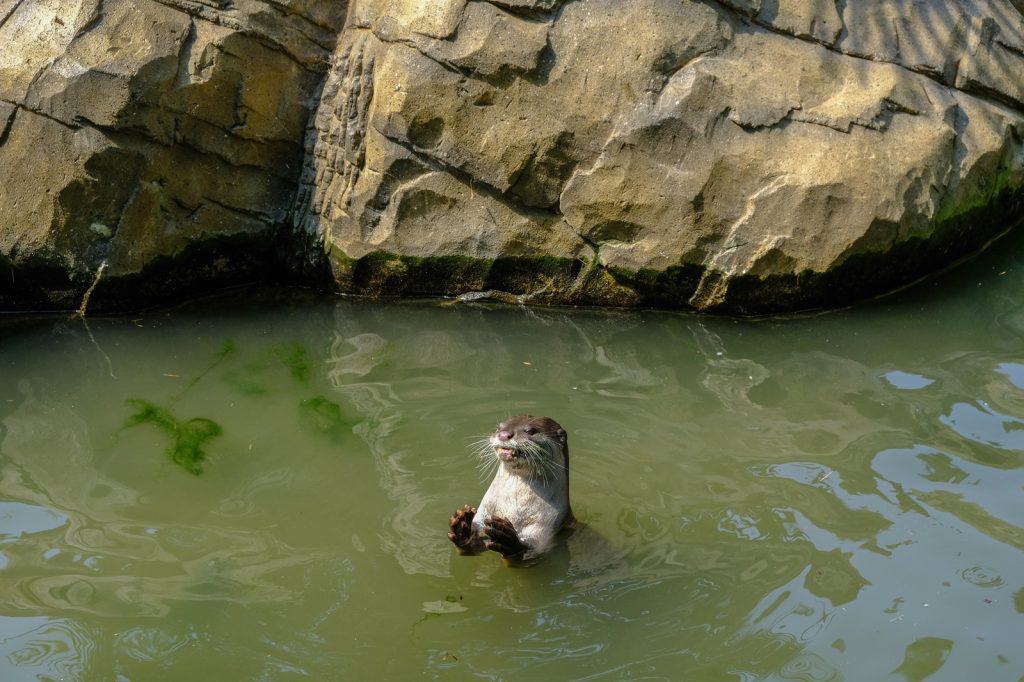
{"x": 529, "y": 430}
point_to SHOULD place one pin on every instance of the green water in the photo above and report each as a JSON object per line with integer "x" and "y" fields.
{"x": 257, "y": 487}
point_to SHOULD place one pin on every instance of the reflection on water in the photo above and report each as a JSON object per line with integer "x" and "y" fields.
{"x": 40, "y": 648}
{"x": 826, "y": 498}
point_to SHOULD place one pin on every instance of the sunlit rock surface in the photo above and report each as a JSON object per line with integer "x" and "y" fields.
{"x": 750, "y": 156}
{"x": 139, "y": 132}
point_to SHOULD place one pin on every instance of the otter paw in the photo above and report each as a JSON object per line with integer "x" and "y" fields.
{"x": 503, "y": 538}
{"x": 460, "y": 527}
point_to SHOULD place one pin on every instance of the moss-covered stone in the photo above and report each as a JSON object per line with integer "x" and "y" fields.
{"x": 386, "y": 274}
{"x": 205, "y": 265}
{"x": 966, "y": 230}
{"x": 668, "y": 288}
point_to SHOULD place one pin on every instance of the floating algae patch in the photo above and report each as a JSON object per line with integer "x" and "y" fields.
{"x": 254, "y": 377}
{"x": 188, "y": 437}
{"x": 325, "y": 417}
{"x": 295, "y": 357}
{"x": 244, "y": 380}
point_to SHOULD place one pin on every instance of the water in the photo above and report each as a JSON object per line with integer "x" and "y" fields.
{"x": 824, "y": 498}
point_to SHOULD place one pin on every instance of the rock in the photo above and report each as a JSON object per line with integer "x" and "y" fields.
{"x": 749, "y": 156}
{"x": 145, "y": 133}
{"x": 743, "y": 155}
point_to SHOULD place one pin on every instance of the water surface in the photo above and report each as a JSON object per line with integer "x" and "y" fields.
{"x": 824, "y": 498}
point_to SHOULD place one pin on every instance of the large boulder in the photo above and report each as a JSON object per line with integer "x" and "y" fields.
{"x": 743, "y": 155}
{"x": 157, "y": 143}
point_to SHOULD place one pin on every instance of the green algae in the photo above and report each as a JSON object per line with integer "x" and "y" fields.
{"x": 1006, "y": 180}
{"x": 295, "y": 357}
{"x": 244, "y": 383}
{"x": 255, "y": 376}
{"x": 188, "y": 437}
{"x": 672, "y": 286}
{"x": 382, "y": 273}
{"x": 325, "y": 417}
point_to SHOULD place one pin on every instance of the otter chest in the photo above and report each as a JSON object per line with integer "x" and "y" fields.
{"x": 521, "y": 504}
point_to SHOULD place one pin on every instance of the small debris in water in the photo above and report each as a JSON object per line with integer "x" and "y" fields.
{"x": 226, "y": 350}
{"x": 442, "y": 607}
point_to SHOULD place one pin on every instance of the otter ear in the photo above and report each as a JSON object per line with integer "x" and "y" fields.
{"x": 560, "y": 433}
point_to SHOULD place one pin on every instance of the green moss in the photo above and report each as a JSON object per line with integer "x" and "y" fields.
{"x": 295, "y": 357}
{"x": 386, "y": 274}
{"x": 447, "y": 273}
{"x": 340, "y": 266}
{"x": 522, "y": 275}
{"x": 599, "y": 286}
{"x": 338, "y": 256}
{"x": 378, "y": 274}
{"x": 671, "y": 287}
{"x": 203, "y": 265}
{"x": 187, "y": 438}
{"x": 325, "y": 418}
{"x": 1003, "y": 182}
{"x": 874, "y": 273}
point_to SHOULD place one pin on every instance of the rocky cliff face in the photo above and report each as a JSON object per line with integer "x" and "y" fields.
{"x": 746, "y": 155}
{"x": 162, "y": 138}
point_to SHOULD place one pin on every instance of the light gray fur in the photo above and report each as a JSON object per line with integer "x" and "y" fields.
{"x": 535, "y": 500}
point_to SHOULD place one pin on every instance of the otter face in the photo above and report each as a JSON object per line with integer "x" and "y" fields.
{"x": 534, "y": 443}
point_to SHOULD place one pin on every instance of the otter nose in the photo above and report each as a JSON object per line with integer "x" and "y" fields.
{"x": 504, "y": 435}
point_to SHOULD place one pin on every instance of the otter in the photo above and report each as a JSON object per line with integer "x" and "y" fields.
{"x": 527, "y": 503}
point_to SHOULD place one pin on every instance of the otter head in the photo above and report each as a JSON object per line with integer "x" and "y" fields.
{"x": 533, "y": 445}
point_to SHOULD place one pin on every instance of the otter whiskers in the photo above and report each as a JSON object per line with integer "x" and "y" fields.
{"x": 527, "y": 503}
